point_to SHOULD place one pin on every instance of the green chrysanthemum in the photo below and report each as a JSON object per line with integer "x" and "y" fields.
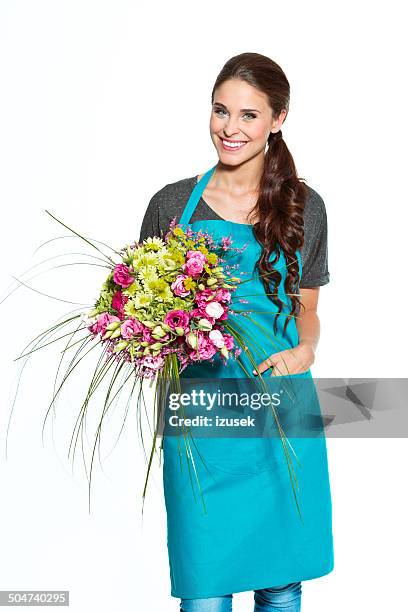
{"x": 133, "y": 288}
{"x": 159, "y": 287}
{"x": 147, "y": 275}
{"x": 170, "y": 261}
{"x": 129, "y": 309}
{"x": 141, "y": 300}
{"x": 182, "y": 303}
{"x": 154, "y": 244}
{"x": 144, "y": 260}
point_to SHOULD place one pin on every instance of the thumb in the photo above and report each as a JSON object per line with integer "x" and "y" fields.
{"x": 268, "y": 363}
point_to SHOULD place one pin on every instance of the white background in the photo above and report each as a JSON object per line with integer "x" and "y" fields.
{"x": 101, "y": 105}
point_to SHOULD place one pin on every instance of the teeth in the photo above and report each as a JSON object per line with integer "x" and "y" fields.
{"x": 233, "y": 145}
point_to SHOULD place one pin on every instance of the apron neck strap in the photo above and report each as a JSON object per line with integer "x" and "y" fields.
{"x": 195, "y": 196}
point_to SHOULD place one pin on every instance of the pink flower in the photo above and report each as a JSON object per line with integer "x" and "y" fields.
{"x": 197, "y": 313}
{"x": 130, "y": 328}
{"x": 203, "y": 297}
{"x": 178, "y": 286}
{"x": 147, "y": 335}
{"x": 102, "y": 321}
{"x": 195, "y": 263}
{"x": 223, "y": 295}
{"x": 177, "y": 318}
{"x": 122, "y": 276}
{"x": 229, "y": 341}
{"x": 226, "y": 242}
{"x": 118, "y": 302}
{"x": 198, "y": 255}
{"x": 152, "y": 362}
{"x": 205, "y": 348}
{"x": 225, "y": 315}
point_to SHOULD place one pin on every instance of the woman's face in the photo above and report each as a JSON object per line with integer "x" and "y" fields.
{"x": 241, "y": 114}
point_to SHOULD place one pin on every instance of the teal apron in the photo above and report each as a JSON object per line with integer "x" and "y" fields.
{"x": 250, "y": 536}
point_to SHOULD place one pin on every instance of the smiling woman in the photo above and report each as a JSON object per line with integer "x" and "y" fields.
{"x": 251, "y": 535}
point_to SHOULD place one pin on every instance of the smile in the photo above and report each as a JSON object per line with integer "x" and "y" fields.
{"x": 233, "y": 145}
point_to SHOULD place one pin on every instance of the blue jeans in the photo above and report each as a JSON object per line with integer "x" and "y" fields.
{"x": 285, "y": 597}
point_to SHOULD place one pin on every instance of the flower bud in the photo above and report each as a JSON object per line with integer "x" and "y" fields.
{"x": 121, "y": 345}
{"x": 107, "y": 335}
{"x": 112, "y": 326}
{"x": 116, "y": 333}
{"x": 149, "y": 324}
{"x": 204, "y": 324}
{"x": 158, "y": 331}
{"x": 192, "y": 340}
{"x": 211, "y": 281}
{"x": 224, "y": 351}
{"x": 179, "y": 331}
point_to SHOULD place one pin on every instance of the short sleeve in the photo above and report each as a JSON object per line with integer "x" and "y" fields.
{"x": 151, "y": 224}
{"x": 315, "y": 267}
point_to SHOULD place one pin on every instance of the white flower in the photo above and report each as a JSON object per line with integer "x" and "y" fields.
{"x": 214, "y": 310}
{"x": 216, "y": 338}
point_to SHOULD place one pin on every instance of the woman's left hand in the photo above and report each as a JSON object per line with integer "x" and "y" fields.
{"x": 290, "y": 361}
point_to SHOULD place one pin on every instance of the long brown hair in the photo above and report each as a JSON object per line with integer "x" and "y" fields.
{"x": 282, "y": 195}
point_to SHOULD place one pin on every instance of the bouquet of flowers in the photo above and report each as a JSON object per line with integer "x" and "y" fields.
{"x": 167, "y": 297}
{"x": 167, "y": 302}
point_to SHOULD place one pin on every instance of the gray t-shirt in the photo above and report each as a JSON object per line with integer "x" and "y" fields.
{"x": 170, "y": 201}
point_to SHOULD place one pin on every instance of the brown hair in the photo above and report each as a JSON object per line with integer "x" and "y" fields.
{"x": 282, "y": 195}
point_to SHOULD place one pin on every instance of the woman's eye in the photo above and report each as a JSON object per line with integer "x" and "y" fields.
{"x": 220, "y": 110}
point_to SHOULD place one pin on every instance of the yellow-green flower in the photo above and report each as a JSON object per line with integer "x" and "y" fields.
{"x": 144, "y": 260}
{"x": 154, "y": 244}
{"x": 159, "y": 287}
{"x": 132, "y": 289}
{"x": 203, "y": 249}
{"x": 147, "y": 275}
{"x": 168, "y": 261}
{"x": 189, "y": 284}
{"x": 129, "y": 309}
{"x": 141, "y": 300}
{"x": 178, "y": 232}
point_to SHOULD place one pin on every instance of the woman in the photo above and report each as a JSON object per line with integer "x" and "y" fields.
{"x": 250, "y": 537}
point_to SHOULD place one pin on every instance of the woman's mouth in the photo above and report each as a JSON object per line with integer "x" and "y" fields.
{"x": 232, "y": 145}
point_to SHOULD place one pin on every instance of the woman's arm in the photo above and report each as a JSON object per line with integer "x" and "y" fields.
{"x": 299, "y": 359}
{"x": 308, "y": 324}
{"x": 315, "y": 273}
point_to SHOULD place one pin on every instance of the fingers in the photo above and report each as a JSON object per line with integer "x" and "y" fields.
{"x": 279, "y": 364}
{"x": 268, "y": 363}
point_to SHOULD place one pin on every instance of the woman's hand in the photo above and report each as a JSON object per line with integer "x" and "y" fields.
{"x": 290, "y": 361}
